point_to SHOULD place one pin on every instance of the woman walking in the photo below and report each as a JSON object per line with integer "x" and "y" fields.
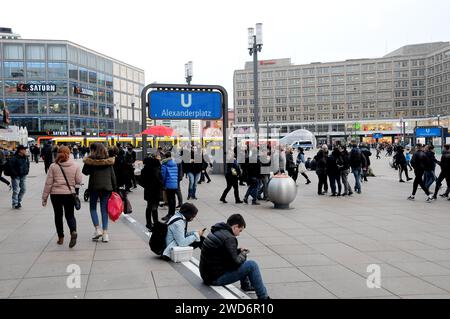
{"x": 102, "y": 181}
{"x": 60, "y": 193}
{"x": 301, "y": 164}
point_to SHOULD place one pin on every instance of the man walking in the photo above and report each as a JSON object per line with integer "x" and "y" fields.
{"x": 47, "y": 155}
{"x": 19, "y": 167}
{"x": 356, "y": 163}
{"x": 419, "y": 163}
{"x": 445, "y": 170}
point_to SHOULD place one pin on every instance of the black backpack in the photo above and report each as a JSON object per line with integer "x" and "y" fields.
{"x": 7, "y": 168}
{"x": 157, "y": 241}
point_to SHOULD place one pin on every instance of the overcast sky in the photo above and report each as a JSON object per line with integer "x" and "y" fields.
{"x": 161, "y": 36}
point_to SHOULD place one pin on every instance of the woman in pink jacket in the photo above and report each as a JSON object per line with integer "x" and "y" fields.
{"x": 60, "y": 194}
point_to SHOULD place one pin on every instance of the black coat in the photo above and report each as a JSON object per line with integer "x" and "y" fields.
{"x": 151, "y": 180}
{"x": 47, "y": 154}
{"x": 220, "y": 253}
{"x": 290, "y": 164}
{"x": 101, "y": 174}
{"x": 419, "y": 161}
{"x": 20, "y": 166}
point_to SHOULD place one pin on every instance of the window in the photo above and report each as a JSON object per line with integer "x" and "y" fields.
{"x": 36, "y": 106}
{"x": 57, "y": 106}
{"x": 35, "y": 52}
{"x": 57, "y": 70}
{"x": 83, "y": 75}
{"x": 353, "y": 68}
{"x": 73, "y": 72}
{"x": 74, "y": 107}
{"x": 35, "y": 70}
{"x": 15, "y": 106}
{"x": 92, "y": 77}
{"x": 13, "y": 52}
{"x": 337, "y": 69}
{"x": 56, "y": 52}
{"x": 13, "y": 70}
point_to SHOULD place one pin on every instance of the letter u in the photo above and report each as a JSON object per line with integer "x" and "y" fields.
{"x": 183, "y": 102}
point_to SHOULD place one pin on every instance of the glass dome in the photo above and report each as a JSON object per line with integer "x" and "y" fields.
{"x": 299, "y": 135}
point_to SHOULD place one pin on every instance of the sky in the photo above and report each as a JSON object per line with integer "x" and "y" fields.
{"x": 161, "y": 36}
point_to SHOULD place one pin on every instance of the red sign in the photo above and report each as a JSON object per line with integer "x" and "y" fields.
{"x": 267, "y": 62}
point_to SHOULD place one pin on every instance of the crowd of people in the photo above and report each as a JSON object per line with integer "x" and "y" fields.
{"x": 221, "y": 262}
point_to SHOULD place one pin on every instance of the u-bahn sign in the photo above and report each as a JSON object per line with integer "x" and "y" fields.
{"x": 432, "y": 131}
{"x": 194, "y": 105}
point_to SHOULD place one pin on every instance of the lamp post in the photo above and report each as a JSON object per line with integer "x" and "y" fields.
{"x": 255, "y": 44}
{"x": 189, "y": 73}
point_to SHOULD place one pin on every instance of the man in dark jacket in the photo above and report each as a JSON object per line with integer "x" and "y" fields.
{"x": 429, "y": 175}
{"x": 367, "y": 154}
{"x": 419, "y": 162}
{"x": 151, "y": 181}
{"x": 321, "y": 170}
{"x": 169, "y": 178}
{"x": 401, "y": 164}
{"x": 19, "y": 167}
{"x": 291, "y": 165}
{"x": 445, "y": 170}
{"x": 223, "y": 263}
{"x": 357, "y": 161}
{"x": 253, "y": 181}
{"x": 47, "y": 155}
{"x": 130, "y": 159}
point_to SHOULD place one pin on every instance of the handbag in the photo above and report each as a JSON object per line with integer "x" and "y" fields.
{"x": 301, "y": 168}
{"x": 115, "y": 206}
{"x": 76, "y": 199}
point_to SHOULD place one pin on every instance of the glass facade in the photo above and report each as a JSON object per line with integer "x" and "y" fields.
{"x": 104, "y": 109}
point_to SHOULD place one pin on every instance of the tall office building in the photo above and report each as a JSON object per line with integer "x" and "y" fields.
{"x": 56, "y": 87}
{"x": 410, "y": 85}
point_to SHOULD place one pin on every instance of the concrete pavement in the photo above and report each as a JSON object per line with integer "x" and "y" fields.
{"x": 320, "y": 248}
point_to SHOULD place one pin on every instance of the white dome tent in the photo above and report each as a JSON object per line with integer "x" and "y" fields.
{"x": 299, "y": 135}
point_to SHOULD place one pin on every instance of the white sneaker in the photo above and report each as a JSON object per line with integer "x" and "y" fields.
{"x": 105, "y": 238}
{"x": 97, "y": 234}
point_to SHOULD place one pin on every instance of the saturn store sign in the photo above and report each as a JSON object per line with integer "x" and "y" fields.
{"x": 82, "y": 91}
{"x": 33, "y": 87}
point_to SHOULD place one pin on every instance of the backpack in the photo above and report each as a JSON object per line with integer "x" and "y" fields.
{"x": 157, "y": 241}
{"x": 7, "y": 169}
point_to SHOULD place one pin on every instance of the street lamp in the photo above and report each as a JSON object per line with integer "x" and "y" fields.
{"x": 189, "y": 73}
{"x": 255, "y": 44}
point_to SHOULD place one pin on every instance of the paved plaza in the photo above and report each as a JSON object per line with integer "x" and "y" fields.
{"x": 320, "y": 248}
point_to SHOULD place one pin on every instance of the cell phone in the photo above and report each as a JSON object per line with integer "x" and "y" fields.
{"x": 204, "y": 229}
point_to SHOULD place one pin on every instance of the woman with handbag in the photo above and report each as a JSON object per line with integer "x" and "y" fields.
{"x": 62, "y": 179}
{"x": 102, "y": 182}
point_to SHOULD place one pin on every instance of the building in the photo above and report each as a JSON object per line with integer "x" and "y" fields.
{"x": 407, "y": 88}
{"x": 56, "y": 87}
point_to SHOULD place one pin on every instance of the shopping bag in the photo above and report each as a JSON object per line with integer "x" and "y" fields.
{"x": 115, "y": 206}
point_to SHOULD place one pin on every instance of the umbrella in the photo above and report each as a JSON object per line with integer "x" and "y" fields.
{"x": 159, "y": 131}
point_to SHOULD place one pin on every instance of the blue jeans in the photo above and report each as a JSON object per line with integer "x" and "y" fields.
{"x": 357, "y": 173}
{"x": 19, "y": 189}
{"x": 429, "y": 178}
{"x": 253, "y": 190}
{"x": 104, "y": 197}
{"x": 248, "y": 270}
{"x": 193, "y": 180}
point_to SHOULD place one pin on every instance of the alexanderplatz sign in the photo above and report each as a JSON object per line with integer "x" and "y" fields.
{"x": 184, "y": 102}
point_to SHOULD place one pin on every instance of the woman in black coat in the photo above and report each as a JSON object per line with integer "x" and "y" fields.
{"x": 151, "y": 181}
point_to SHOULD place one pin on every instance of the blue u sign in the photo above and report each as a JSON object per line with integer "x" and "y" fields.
{"x": 428, "y": 132}
{"x": 185, "y": 105}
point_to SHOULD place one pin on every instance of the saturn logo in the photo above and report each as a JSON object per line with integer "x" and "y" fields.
{"x": 183, "y": 102}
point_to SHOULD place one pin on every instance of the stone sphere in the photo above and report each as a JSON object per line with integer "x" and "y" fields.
{"x": 282, "y": 191}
